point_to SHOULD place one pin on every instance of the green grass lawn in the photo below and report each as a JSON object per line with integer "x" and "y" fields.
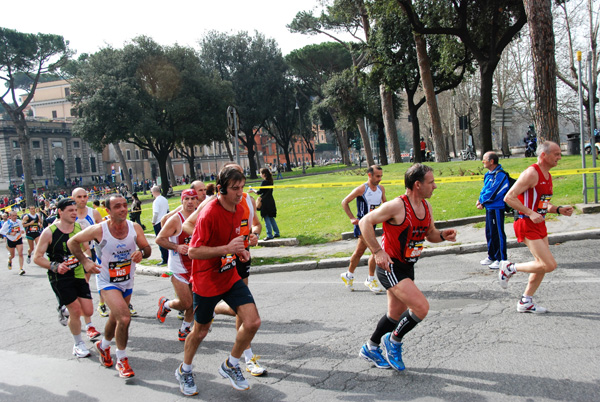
{"x": 314, "y": 215}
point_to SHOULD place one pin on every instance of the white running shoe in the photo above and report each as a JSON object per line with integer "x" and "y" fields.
{"x": 487, "y": 261}
{"x": 254, "y": 368}
{"x": 80, "y": 350}
{"x": 187, "y": 386}
{"x": 494, "y": 265}
{"x": 373, "y": 286}
{"x": 349, "y": 282}
{"x": 504, "y": 273}
{"x": 530, "y": 307}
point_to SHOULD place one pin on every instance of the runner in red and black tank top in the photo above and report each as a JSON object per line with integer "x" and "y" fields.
{"x": 404, "y": 242}
{"x": 538, "y": 198}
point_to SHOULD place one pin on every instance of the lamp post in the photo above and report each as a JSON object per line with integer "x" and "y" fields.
{"x": 301, "y": 139}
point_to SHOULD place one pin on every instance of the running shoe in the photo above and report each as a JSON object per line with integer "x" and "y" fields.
{"x": 162, "y": 312}
{"x": 92, "y": 333}
{"x": 494, "y": 265}
{"x": 374, "y": 356}
{"x": 104, "y": 355}
{"x": 530, "y": 307}
{"x": 373, "y": 286}
{"x": 187, "y": 386}
{"x": 181, "y": 315}
{"x": 63, "y": 316}
{"x": 235, "y": 376}
{"x": 124, "y": 369}
{"x": 102, "y": 310}
{"x": 132, "y": 313}
{"x": 349, "y": 282}
{"x": 392, "y": 352}
{"x": 28, "y": 258}
{"x": 80, "y": 350}
{"x": 9, "y": 264}
{"x": 183, "y": 334}
{"x": 21, "y": 272}
{"x": 254, "y": 368}
{"x": 504, "y": 273}
{"x": 487, "y": 261}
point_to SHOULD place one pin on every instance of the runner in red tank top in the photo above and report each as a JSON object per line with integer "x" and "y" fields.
{"x": 407, "y": 222}
{"x": 530, "y": 196}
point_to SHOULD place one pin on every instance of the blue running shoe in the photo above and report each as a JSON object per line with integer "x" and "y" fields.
{"x": 392, "y": 352}
{"x": 374, "y": 356}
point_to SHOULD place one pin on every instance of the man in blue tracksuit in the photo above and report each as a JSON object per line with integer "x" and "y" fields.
{"x": 495, "y": 187}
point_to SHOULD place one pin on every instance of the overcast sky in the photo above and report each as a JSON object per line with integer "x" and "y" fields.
{"x": 89, "y": 26}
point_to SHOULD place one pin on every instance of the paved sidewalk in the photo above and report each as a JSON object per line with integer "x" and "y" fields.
{"x": 470, "y": 239}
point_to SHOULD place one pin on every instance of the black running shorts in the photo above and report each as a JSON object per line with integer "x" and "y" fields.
{"x": 13, "y": 244}
{"x": 67, "y": 290}
{"x": 399, "y": 272}
{"x": 204, "y": 307}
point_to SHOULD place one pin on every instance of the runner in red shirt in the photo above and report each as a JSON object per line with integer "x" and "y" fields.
{"x": 407, "y": 222}
{"x": 530, "y": 196}
{"x": 217, "y": 246}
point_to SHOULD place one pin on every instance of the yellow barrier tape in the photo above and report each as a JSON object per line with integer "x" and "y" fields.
{"x": 453, "y": 179}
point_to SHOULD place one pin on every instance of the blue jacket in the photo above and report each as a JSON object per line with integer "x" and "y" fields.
{"x": 495, "y": 187}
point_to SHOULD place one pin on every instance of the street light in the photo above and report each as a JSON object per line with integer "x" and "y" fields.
{"x": 301, "y": 139}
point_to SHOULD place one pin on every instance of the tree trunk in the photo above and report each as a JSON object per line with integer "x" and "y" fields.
{"x": 539, "y": 15}
{"x": 441, "y": 155}
{"x": 23, "y": 133}
{"x": 416, "y": 129}
{"x": 288, "y": 162}
{"x": 171, "y": 173}
{"x": 249, "y": 143}
{"x": 389, "y": 122}
{"x": 190, "y": 159}
{"x": 123, "y": 163}
{"x": 164, "y": 176}
{"x": 383, "y": 159}
{"x": 486, "y": 74}
{"x": 365, "y": 140}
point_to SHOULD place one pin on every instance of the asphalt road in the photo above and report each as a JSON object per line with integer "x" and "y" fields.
{"x": 473, "y": 345}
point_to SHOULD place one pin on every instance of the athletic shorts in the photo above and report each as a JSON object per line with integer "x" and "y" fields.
{"x": 399, "y": 272}
{"x": 357, "y": 232}
{"x": 13, "y": 244}
{"x": 243, "y": 268}
{"x": 185, "y": 278}
{"x": 67, "y": 290}
{"x": 125, "y": 293}
{"x": 33, "y": 235}
{"x": 204, "y": 307}
{"x": 526, "y": 229}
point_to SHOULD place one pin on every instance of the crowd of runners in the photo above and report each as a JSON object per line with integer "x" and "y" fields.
{"x": 208, "y": 238}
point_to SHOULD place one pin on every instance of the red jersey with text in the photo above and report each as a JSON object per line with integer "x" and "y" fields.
{"x": 215, "y": 227}
{"x": 538, "y": 198}
{"x": 404, "y": 242}
{"x": 180, "y": 263}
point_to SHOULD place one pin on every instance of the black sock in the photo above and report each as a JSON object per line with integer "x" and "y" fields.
{"x": 385, "y": 325}
{"x": 406, "y": 323}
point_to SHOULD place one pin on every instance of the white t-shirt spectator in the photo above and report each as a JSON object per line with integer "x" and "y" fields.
{"x": 160, "y": 207}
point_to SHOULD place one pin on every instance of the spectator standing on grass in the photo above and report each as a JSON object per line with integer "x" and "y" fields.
{"x": 160, "y": 207}
{"x": 495, "y": 187}
{"x": 268, "y": 209}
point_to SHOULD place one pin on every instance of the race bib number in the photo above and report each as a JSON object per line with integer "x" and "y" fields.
{"x": 413, "y": 250}
{"x": 542, "y": 207}
{"x": 227, "y": 262}
{"x": 373, "y": 207}
{"x": 34, "y": 228}
{"x": 71, "y": 261}
{"x": 119, "y": 271}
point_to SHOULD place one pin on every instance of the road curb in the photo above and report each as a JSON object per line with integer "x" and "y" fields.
{"x": 326, "y": 263}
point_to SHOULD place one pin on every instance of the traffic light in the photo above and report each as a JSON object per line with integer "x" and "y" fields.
{"x": 356, "y": 143}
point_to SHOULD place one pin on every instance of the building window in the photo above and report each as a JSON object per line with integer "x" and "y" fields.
{"x": 54, "y": 114}
{"x": 137, "y": 154}
{"x": 67, "y": 92}
{"x": 19, "y": 167}
{"x": 144, "y": 154}
{"x": 75, "y": 144}
{"x": 78, "y": 168}
{"x": 93, "y": 164}
{"x": 16, "y": 144}
{"x": 39, "y": 171}
{"x": 36, "y": 144}
{"x": 57, "y": 144}
{"x": 128, "y": 155}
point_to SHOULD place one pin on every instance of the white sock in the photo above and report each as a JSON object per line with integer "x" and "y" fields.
{"x": 349, "y": 275}
{"x": 121, "y": 354}
{"x": 233, "y": 361}
{"x": 168, "y": 305}
{"x": 185, "y": 325}
{"x": 248, "y": 354}
{"x": 186, "y": 367}
{"x": 78, "y": 338}
{"x": 370, "y": 278}
{"x": 526, "y": 299}
{"x": 88, "y": 325}
{"x": 104, "y": 344}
